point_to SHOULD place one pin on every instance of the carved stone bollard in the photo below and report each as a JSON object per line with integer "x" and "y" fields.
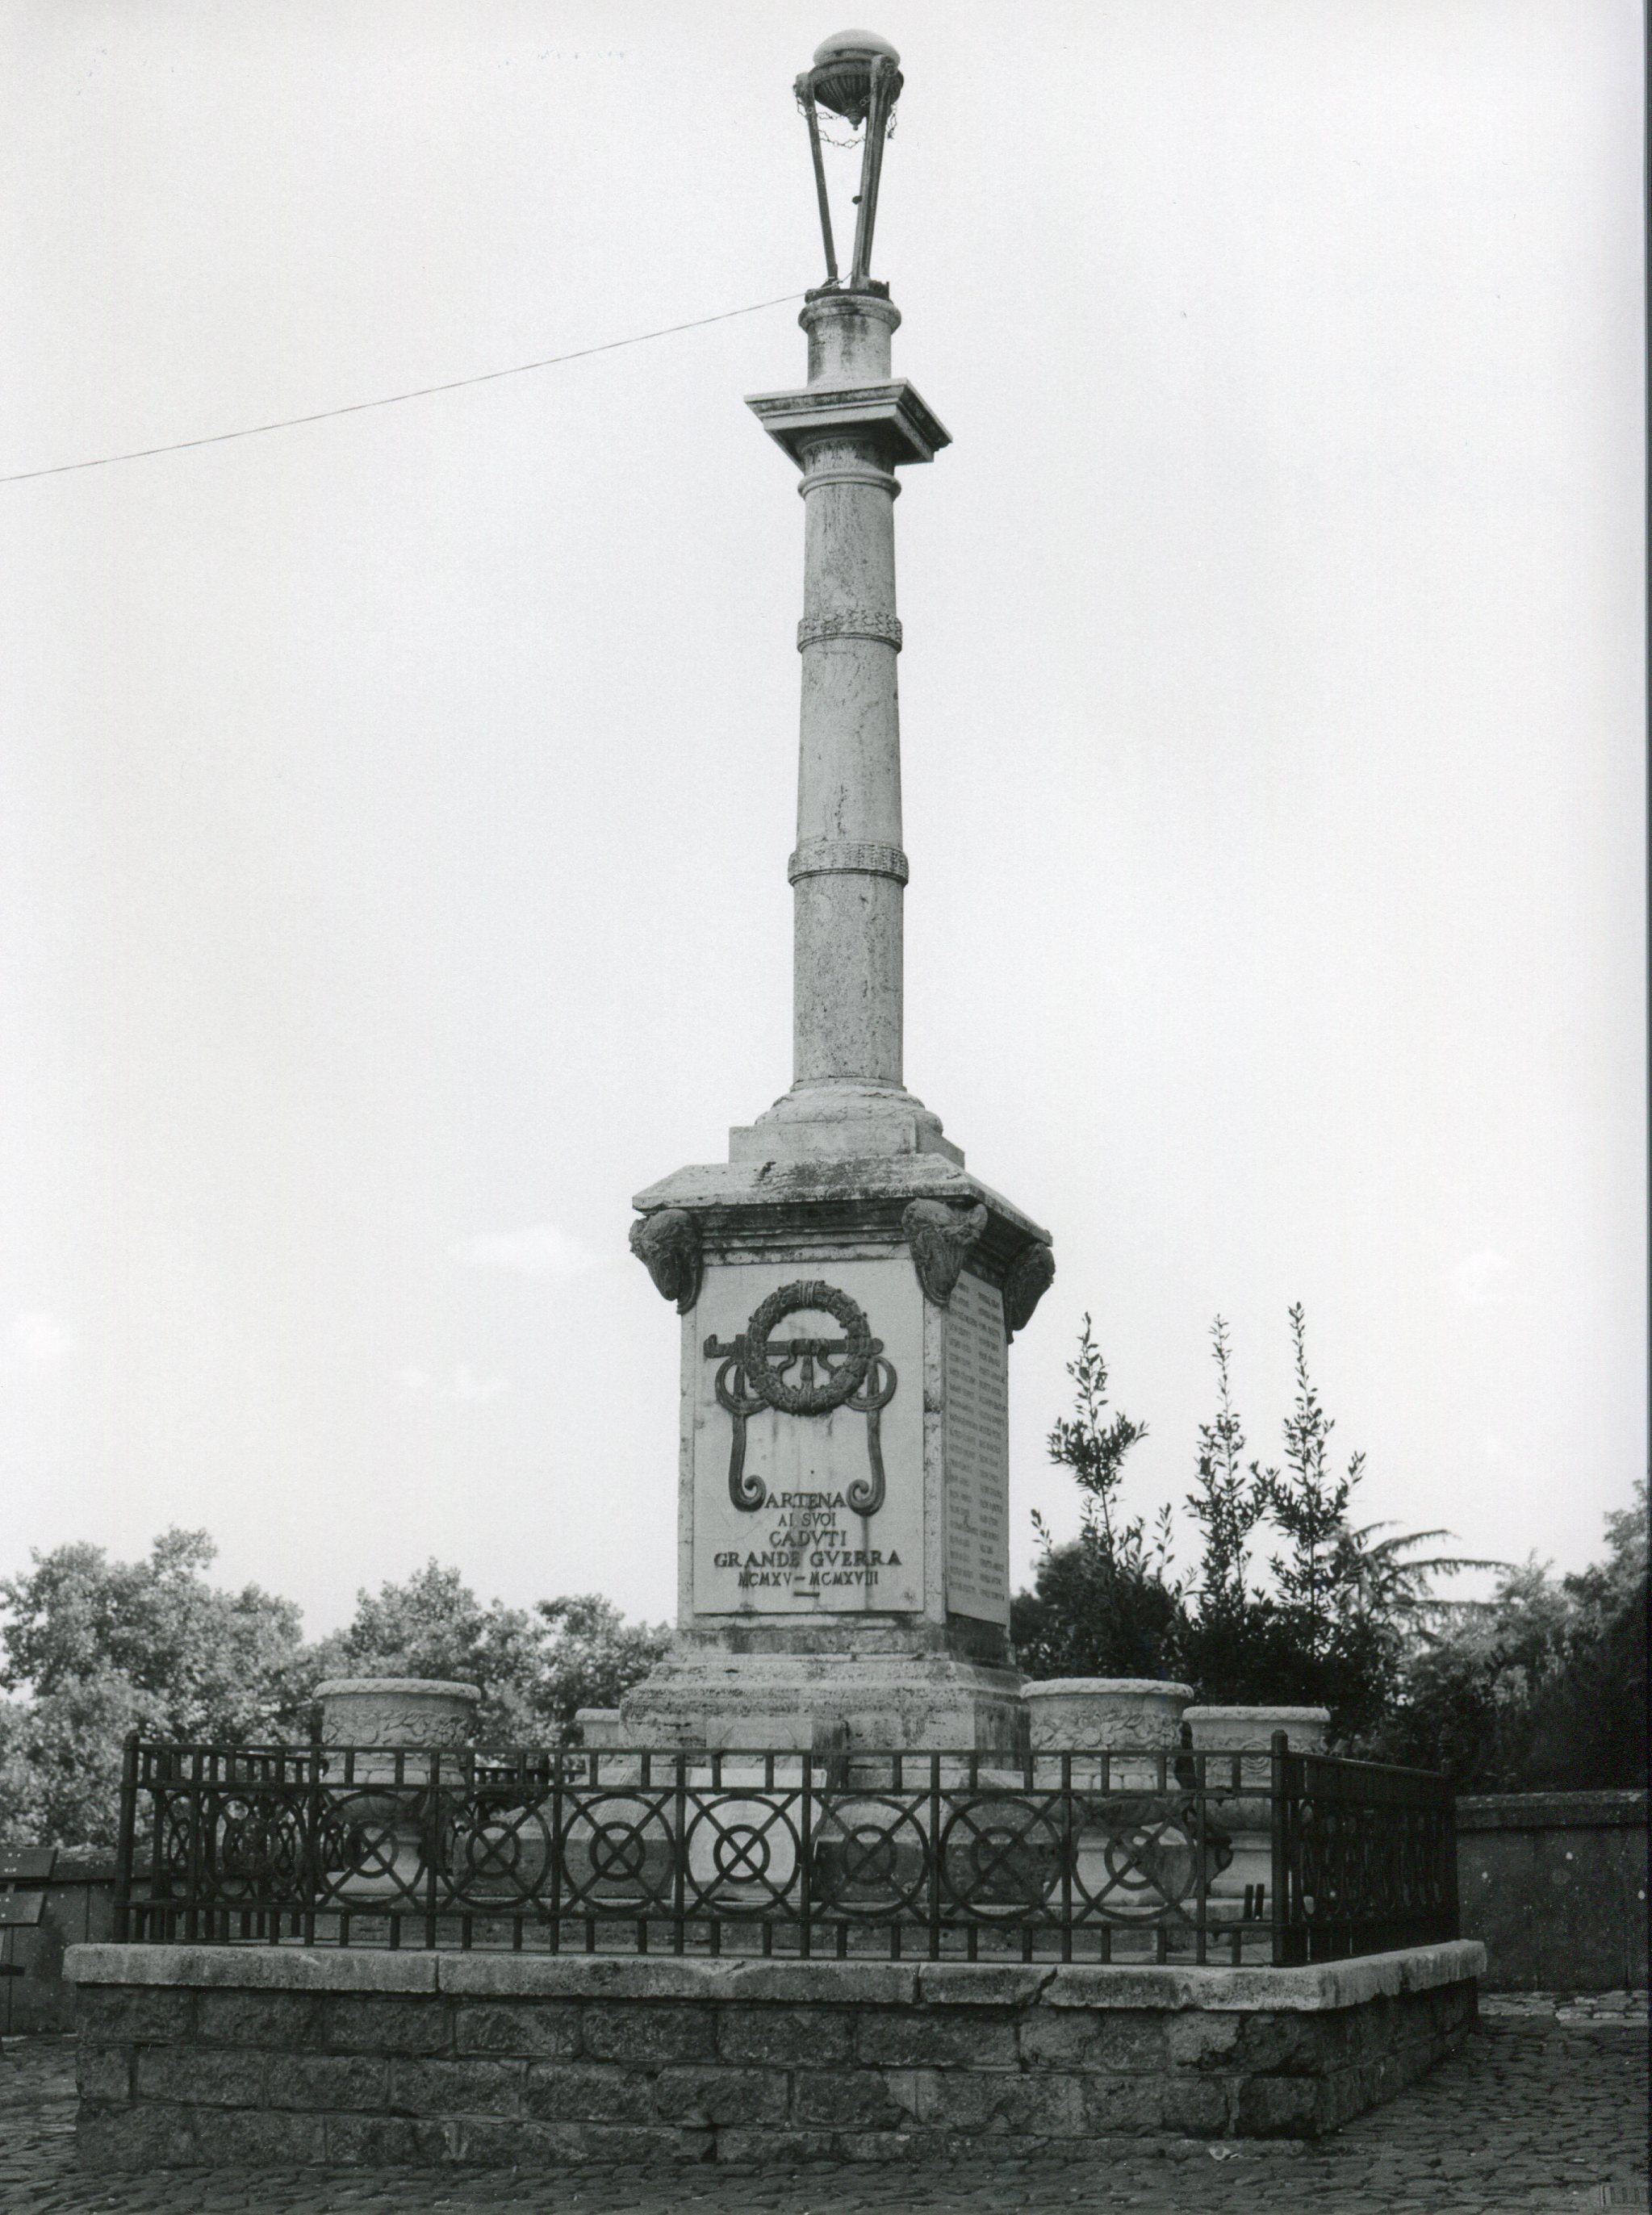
{"x": 378, "y": 1826}
{"x": 1123, "y": 1714}
{"x": 1250, "y": 1730}
{"x": 1238, "y": 1745}
{"x": 1135, "y": 1857}
{"x": 376, "y": 1711}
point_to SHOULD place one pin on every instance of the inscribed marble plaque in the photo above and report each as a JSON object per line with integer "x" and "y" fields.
{"x": 975, "y": 1450}
{"x": 782, "y": 1521}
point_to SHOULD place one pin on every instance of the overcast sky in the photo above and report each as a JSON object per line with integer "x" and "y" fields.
{"x": 396, "y": 810}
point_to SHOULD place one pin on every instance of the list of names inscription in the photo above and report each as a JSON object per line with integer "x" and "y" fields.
{"x": 976, "y": 1449}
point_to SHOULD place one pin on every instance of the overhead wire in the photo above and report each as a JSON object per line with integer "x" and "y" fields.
{"x": 394, "y": 399}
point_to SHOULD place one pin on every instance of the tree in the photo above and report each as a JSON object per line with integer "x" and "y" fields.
{"x": 1330, "y": 1625}
{"x": 210, "y": 1663}
{"x": 1228, "y": 1505}
{"x": 1093, "y": 1450}
{"x": 536, "y": 1668}
{"x": 1589, "y": 1723}
{"x": 1233, "y": 1638}
{"x": 592, "y": 1655}
{"x": 1465, "y": 1698}
{"x": 98, "y": 1648}
{"x": 1309, "y": 1507}
{"x": 432, "y": 1625}
{"x": 60, "y": 1761}
{"x": 1103, "y": 1604}
{"x": 1541, "y": 1688}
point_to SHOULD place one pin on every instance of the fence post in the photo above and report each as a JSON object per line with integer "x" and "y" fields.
{"x": 433, "y": 1850}
{"x": 679, "y": 1845}
{"x": 312, "y": 1826}
{"x": 1278, "y": 1817}
{"x": 806, "y": 1851}
{"x": 127, "y": 1844}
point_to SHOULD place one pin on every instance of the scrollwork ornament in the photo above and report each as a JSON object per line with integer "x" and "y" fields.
{"x": 849, "y": 1373}
{"x": 1026, "y": 1280}
{"x": 747, "y": 1491}
{"x": 941, "y": 1239}
{"x": 668, "y": 1243}
{"x": 866, "y": 1494}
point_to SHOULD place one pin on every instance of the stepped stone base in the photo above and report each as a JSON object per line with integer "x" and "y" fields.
{"x": 803, "y": 1702}
{"x": 214, "y": 2055}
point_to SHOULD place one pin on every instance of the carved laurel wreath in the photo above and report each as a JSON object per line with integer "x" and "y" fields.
{"x": 843, "y": 1382}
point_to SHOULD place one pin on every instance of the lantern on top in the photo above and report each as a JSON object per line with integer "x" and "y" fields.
{"x": 856, "y": 75}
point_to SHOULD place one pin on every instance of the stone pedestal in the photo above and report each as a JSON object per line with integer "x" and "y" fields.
{"x": 721, "y": 1699}
{"x": 397, "y": 1711}
{"x": 391, "y": 1732}
{"x": 1123, "y": 1734}
{"x": 598, "y": 1727}
{"x": 1245, "y": 1736}
{"x": 848, "y": 1290}
{"x": 844, "y": 1560}
{"x": 1118, "y": 1714}
{"x": 1250, "y": 1730}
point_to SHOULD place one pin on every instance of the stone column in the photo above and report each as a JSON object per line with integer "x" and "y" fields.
{"x": 848, "y": 873}
{"x": 847, "y": 1290}
{"x": 848, "y": 430}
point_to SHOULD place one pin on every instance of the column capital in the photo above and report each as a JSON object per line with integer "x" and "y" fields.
{"x": 893, "y": 411}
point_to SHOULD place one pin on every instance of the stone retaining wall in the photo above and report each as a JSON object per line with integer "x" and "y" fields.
{"x": 78, "y": 1910}
{"x": 238, "y": 2055}
{"x": 1554, "y": 1884}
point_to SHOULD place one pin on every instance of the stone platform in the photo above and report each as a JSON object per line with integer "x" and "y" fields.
{"x": 253, "y": 2055}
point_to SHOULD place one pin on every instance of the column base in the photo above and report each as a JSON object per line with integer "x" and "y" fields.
{"x": 839, "y": 1120}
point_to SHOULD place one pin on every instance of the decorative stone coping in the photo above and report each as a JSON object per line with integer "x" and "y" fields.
{"x": 1314, "y": 1989}
{"x": 1047, "y": 1687}
{"x": 397, "y": 1711}
{"x": 1282, "y": 1718}
{"x": 1250, "y": 1731}
{"x": 401, "y": 1687}
{"x": 1552, "y": 1811}
{"x": 1085, "y": 1716}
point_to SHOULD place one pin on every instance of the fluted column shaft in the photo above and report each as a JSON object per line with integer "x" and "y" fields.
{"x": 848, "y": 873}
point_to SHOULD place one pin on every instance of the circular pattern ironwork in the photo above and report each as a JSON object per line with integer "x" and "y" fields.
{"x": 618, "y": 1846}
{"x": 838, "y": 1384}
{"x": 999, "y": 1855}
{"x": 500, "y": 1850}
{"x": 618, "y": 1852}
{"x": 256, "y": 1851}
{"x": 871, "y": 1858}
{"x": 1134, "y": 1858}
{"x": 369, "y": 1847}
{"x": 741, "y": 1852}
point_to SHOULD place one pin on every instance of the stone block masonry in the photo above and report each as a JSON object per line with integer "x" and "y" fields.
{"x": 1555, "y": 1884}
{"x": 197, "y": 2055}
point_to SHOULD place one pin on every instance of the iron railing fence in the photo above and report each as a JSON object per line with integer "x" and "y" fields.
{"x": 1099, "y": 1856}
{"x": 1366, "y": 1858}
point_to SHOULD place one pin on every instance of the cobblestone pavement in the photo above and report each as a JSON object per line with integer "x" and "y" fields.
{"x": 1544, "y": 2110}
